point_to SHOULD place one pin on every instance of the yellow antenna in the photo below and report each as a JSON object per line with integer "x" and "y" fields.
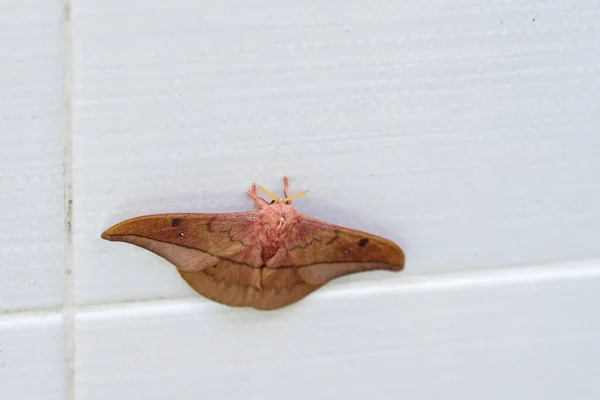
{"x": 295, "y": 196}
{"x": 286, "y": 199}
{"x": 271, "y": 195}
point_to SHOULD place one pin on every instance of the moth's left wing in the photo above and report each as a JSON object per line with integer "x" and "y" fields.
{"x": 320, "y": 252}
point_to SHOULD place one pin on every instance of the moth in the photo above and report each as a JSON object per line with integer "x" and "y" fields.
{"x": 266, "y": 259}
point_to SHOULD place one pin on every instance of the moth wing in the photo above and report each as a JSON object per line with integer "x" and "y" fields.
{"x": 217, "y": 254}
{"x": 320, "y": 252}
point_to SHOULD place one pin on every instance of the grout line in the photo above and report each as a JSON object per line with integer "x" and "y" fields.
{"x": 583, "y": 269}
{"x": 516, "y": 275}
{"x": 68, "y": 306}
{"x": 32, "y": 314}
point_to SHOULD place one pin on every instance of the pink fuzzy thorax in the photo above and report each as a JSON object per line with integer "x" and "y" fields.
{"x": 277, "y": 224}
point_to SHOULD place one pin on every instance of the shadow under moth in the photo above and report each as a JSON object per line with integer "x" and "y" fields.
{"x": 267, "y": 258}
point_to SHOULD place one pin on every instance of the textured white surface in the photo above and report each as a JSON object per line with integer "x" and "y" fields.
{"x": 499, "y": 338}
{"x": 31, "y": 147}
{"x": 32, "y": 358}
{"x": 466, "y": 131}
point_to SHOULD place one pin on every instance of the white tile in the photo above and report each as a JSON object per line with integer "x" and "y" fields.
{"x": 32, "y": 358}
{"x": 516, "y": 334}
{"x": 466, "y": 132}
{"x": 31, "y": 150}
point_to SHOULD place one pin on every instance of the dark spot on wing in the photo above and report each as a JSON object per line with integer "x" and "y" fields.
{"x": 363, "y": 242}
{"x": 175, "y": 222}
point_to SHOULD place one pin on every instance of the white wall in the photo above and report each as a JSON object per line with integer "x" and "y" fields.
{"x": 468, "y": 132}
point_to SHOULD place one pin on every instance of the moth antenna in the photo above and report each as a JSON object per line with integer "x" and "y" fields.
{"x": 289, "y": 199}
{"x": 286, "y": 191}
{"x": 268, "y": 193}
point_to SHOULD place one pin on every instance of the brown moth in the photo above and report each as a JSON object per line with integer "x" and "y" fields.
{"x": 267, "y": 258}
